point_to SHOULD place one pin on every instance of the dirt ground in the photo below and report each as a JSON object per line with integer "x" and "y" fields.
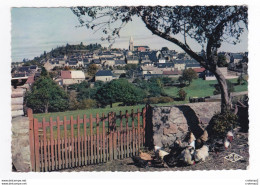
{"x": 213, "y": 162}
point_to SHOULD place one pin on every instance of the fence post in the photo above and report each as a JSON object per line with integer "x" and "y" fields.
{"x": 31, "y": 138}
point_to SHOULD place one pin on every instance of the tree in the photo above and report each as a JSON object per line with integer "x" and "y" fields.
{"x": 189, "y": 75}
{"x": 207, "y": 25}
{"x": 92, "y": 69}
{"x": 119, "y": 91}
{"x": 182, "y": 94}
{"x": 46, "y": 96}
{"x": 222, "y": 61}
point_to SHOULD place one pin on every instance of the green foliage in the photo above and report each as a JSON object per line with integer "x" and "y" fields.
{"x": 46, "y": 96}
{"x": 155, "y": 100}
{"x": 189, "y": 75}
{"x": 92, "y": 69}
{"x": 221, "y": 123}
{"x": 241, "y": 80}
{"x": 119, "y": 91}
{"x": 222, "y": 61}
{"x": 182, "y": 94}
{"x": 44, "y": 72}
{"x": 230, "y": 86}
{"x": 153, "y": 87}
{"x": 88, "y": 104}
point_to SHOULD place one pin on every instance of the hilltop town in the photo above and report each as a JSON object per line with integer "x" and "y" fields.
{"x": 136, "y": 62}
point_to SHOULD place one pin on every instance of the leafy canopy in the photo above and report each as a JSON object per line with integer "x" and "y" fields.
{"x": 46, "y": 96}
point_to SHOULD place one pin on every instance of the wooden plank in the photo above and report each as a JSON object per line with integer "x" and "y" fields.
{"x": 100, "y": 147}
{"x": 79, "y": 152}
{"x": 41, "y": 156}
{"x": 36, "y": 146}
{"x": 49, "y": 154}
{"x": 91, "y": 139}
{"x": 133, "y": 133}
{"x": 63, "y": 153}
{"x": 59, "y": 143}
{"x": 65, "y": 161}
{"x": 138, "y": 129}
{"x": 76, "y": 152}
{"x": 52, "y": 144}
{"x": 118, "y": 144}
{"x": 45, "y": 145}
{"x": 121, "y": 144}
{"x": 114, "y": 145}
{"x": 104, "y": 137}
{"x": 56, "y": 164}
{"x": 72, "y": 141}
{"x": 131, "y": 142}
{"x": 127, "y": 134}
{"x": 144, "y": 124}
{"x": 89, "y": 149}
{"x": 31, "y": 139}
{"x": 82, "y": 150}
{"x": 69, "y": 152}
{"x": 97, "y": 143}
{"x": 95, "y": 149}
{"x": 85, "y": 138}
{"x": 110, "y": 145}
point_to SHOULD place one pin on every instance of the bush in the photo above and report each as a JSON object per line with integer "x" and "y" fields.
{"x": 165, "y": 99}
{"x": 221, "y": 123}
{"x": 88, "y": 104}
{"x": 182, "y": 94}
{"x": 155, "y": 100}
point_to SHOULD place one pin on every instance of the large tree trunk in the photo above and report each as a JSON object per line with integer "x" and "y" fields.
{"x": 225, "y": 95}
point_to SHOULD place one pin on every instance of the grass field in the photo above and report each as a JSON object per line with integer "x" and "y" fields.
{"x": 198, "y": 88}
{"x": 202, "y": 88}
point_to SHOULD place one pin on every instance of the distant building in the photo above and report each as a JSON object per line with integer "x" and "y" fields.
{"x": 131, "y": 44}
{"x": 141, "y": 48}
{"x": 104, "y": 75}
{"x": 72, "y": 77}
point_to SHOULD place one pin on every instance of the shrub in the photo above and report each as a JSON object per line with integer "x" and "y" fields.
{"x": 153, "y": 100}
{"x": 182, "y": 94}
{"x": 88, "y": 104}
{"x": 165, "y": 99}
{"x": 221, "y": 123}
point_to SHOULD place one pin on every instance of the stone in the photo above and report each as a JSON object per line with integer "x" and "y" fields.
{"x": 171, "y": 122}
{"x": 16, "y": 113}
{"x": 183, "y": 127}
{"x": 20, "y": 145}
{"x": 171, "y": 130}
{"x": 17, "y": 101}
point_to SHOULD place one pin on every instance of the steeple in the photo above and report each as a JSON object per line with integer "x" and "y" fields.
{"x": 131, "y": 44}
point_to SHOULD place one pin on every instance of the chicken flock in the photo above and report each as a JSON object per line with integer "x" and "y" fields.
{"x": 181, "y": 153}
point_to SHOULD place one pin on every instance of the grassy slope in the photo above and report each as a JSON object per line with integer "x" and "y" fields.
{"x": 202, "y": 88}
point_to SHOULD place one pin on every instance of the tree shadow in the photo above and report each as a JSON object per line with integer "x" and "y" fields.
{"x": 192, "y": 120}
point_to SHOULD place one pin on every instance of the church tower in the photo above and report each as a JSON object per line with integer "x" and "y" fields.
{"x": 131, "y": 44}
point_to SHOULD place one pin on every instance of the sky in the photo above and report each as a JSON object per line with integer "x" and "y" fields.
{"x": 35, "y": 30}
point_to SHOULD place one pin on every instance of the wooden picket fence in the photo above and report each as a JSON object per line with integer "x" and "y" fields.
{"x": 60, "y": 144}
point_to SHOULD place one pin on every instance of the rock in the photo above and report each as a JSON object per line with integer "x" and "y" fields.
{"x": 17, "y": 101}
{"x": 183, "y": 127}
{"x": 17, "y": 113}
{"x": 17, "y": 107}
{"x": 20, "y": 144}
{"x": 171, "y": 130}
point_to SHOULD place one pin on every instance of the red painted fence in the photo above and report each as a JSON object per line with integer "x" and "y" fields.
{"x": 54, "y": 145}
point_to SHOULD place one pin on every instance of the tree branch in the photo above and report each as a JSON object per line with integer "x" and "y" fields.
{"x": 175, "y": 41}
{"x": 216, "y": 33}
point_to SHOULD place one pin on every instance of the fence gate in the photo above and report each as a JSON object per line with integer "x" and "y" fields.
{"x": 72, "y": 142}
